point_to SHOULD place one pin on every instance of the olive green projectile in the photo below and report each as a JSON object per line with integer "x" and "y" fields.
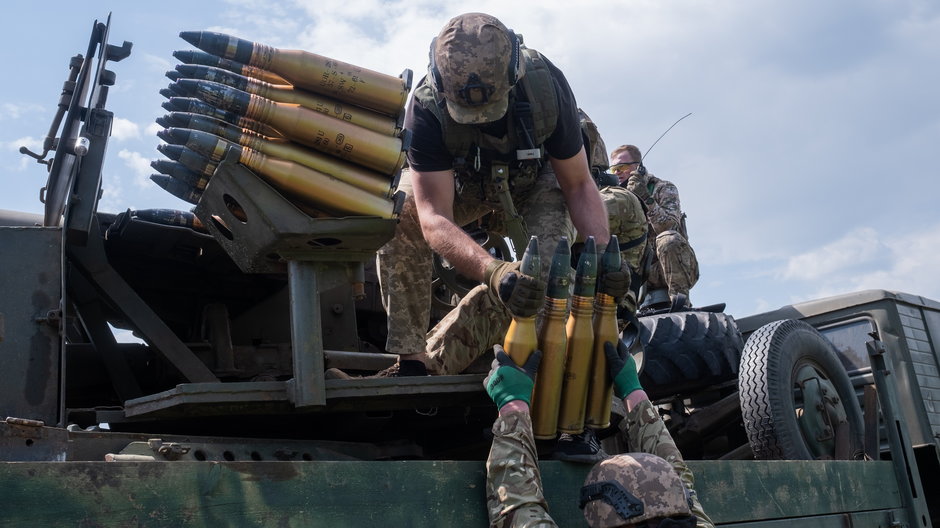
{"x": 288, "y": 94}
{"x": 206, "y": 59}
{"x": 346, "y": 82}
{"x": 332, "y": 136}
{"x": 521, "y": 338}
{"x": 177, "y": 188}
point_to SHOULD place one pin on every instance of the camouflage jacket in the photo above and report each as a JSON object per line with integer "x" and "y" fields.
{"x": 514, "y": 496}
{"x": 663, "y": 210}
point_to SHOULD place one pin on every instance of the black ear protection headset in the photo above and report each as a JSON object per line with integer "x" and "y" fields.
{"x": 474, "y": 81}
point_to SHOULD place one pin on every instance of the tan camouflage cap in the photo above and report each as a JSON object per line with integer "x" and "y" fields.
{"x": 473, "y": 56}
{"x": 641, "y": 486}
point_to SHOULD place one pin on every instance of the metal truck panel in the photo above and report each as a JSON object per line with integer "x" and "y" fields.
{"x": 435, "y": 493}
{"x": 30, "y": 289}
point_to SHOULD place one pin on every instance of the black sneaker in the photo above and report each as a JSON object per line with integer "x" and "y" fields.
{"x": 404, "y": 368}
{"x": 582, "y": 447}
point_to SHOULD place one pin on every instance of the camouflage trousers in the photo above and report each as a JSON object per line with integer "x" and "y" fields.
{"x": 404, "y": 268}
{"x": 674, "y": 264}
{"x": 646, "y": 433}
{"x": 627, "y": 221}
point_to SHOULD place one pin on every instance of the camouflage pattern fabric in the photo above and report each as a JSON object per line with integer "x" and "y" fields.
{"x": 674, "y": 265}
{"x": 645, "y": 432}
{"x": 627, "y": 221}
{"x": 404, "y": 269}
{"x": 647, "y": 477}
{"x": 514, "y": 496}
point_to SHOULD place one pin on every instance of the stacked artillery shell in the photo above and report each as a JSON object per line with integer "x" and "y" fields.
{"x": 520, "y": 339}
{"x": 326, "y": 134}
{"x": 580, "y": 334}
{"x": 605, "y": 329}
{"x": 552, "y": 339}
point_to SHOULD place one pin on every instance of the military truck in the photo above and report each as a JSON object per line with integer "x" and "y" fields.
{"x": 219, "y": 413}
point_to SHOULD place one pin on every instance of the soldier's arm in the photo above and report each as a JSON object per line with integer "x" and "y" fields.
{"x": 665, "y": 213}
{"x": 584, "y": 202}
{"x": 434, "y": 201}
{"x": 513, "y": 482}
{"x": 646, "y": 432}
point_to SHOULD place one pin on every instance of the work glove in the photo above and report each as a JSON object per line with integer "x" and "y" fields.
{"x": 507, "y": 381}
{"x": 614, "y": 283}
{"x": 522, "y": 294}
{"x": 638, "y": 185}
{"x": 621, "y": 367}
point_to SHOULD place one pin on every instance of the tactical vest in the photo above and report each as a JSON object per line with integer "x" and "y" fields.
{"x": 531, "y": 119}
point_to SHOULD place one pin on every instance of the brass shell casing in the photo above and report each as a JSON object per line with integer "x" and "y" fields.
{"x": 580, "y": 333}
{"x": 332, "y": 136}
{"x": 314, "y": 188}
{"x": 553, "y": 342}
{"x": 347, "y": 82}
{"x": 601, "y": 388}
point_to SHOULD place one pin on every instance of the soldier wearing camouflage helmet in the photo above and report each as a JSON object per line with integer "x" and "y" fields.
{"x": 650, "y": 486}
{"x": 492, "y": 119}
{"x": 673, "y": 269}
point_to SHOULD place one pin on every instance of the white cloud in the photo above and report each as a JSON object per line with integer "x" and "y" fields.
{"x": 856, "y": 248}
{"x": 17, "y": 110}
{"x": 152, "y": 129}
{"x": 27, "y": 141}
{"x": 122, "y": 129}
{"x": 139, "y": 165}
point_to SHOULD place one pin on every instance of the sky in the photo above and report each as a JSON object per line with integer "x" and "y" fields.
{"x": 806, "y": 168}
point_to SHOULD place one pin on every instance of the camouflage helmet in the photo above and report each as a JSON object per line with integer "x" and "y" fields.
{"x": 626, "y": 490}
{"x": 475, "y": 61}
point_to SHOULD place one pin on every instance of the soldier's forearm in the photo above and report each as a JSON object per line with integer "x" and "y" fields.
{"x": 451, "y": 242}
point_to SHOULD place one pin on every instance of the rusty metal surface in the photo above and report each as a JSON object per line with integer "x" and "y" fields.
{"x": 31, "y": 286}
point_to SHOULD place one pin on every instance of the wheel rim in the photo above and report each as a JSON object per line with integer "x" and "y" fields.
{"x": 818, "y": 408}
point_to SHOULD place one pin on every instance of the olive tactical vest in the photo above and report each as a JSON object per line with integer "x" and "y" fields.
{"x": 532, "y": 115}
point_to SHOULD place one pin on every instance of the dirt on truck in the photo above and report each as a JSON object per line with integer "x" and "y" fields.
{"x": 823, "y": 413}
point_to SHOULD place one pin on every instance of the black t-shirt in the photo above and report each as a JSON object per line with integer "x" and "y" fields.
{"x": 429, "y": 153}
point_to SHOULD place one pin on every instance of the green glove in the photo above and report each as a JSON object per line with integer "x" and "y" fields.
{"x": 521, "y": 294}
{"x": 507, "y": 381}
{"x": 621, "y": 367}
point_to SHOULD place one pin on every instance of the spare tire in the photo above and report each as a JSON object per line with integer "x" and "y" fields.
{"x": 797, "y": 401}
{"x": 686, "y": 351}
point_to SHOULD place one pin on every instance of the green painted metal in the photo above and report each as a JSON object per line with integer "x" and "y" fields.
{"x": 405, "y": 493}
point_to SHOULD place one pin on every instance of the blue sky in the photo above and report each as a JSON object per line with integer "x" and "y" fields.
{"x": 807, "y": 167}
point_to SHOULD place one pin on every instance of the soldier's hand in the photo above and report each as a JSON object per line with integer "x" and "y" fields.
{"x": 638, "y": 185}
{"x": 621, "y": 367}
{"x": 507, "y": 381}
{"x": 522, "y": 294}
{"x": 615, "y": 283}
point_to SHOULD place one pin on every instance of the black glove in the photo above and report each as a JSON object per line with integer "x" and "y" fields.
{"x": 637, "y": 184}
{"x": 621, "y": 367}
{"x": 615, "y": 283}
{"x": 507, "y": 381}
{"x": 522, "y": 294}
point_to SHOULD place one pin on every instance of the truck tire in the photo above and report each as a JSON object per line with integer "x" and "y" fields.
{"x": 773, "y": 390}
{"x": 685, "y": 351}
